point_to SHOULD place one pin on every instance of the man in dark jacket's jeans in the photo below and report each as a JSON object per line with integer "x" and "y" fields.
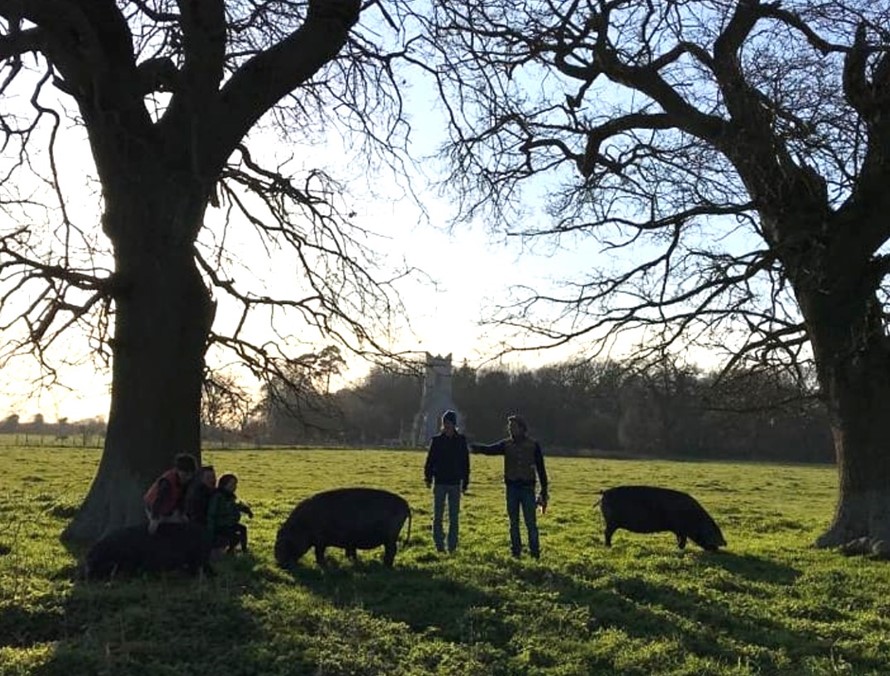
{"x": 447, "y": 469}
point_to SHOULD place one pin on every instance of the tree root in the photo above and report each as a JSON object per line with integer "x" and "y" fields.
{"x": 855, "y": 543}
{"x": 877, "y": 548}
{"x": 861, "y": 526}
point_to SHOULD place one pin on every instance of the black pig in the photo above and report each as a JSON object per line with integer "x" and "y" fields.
{"x": 174, "y": 546}
{"x": 351, "y": 518}
{"x": 648, "y": 509}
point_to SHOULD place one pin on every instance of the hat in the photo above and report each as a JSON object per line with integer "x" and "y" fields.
{"x": 450, "y": 416}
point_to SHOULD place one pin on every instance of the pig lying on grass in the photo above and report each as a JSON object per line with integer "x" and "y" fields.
{"x": 175, "y": 546}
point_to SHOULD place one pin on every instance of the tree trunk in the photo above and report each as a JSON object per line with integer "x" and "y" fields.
{"x": 861, "y": 413}
{"x": 163, "y": 314}
{"x": 854, "y": 371}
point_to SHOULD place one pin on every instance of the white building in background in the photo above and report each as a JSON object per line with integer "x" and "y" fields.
{"x": 435, "y": 399}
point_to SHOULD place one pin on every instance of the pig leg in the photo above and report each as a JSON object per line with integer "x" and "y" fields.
{"x": 319, "y": 555}
{"x": 389, "y": 553}
{"x": 681, "y": 540}
{"x": 607, "y": 536}
{"x": 351, "y": 554}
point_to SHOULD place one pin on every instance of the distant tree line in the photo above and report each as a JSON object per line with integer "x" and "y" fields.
{"x": 578, "y": 407}
{"x": 574, "y": 407}
{"x": 65, "y": 432}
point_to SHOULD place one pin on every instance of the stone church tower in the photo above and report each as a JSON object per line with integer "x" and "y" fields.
{"x": 435, "y": 399}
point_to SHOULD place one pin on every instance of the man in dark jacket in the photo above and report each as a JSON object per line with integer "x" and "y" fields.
{"x": 447, "y": 469}
{"x": 523, "y": 458}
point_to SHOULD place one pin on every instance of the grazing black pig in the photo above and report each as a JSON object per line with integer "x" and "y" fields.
{"x": 174, "y": 546}
{"x": 351, "y": 518}
{"x": 648, "y": 509}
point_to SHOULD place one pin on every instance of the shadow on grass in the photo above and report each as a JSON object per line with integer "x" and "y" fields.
{"x": 140, "y": 624}
{"x": 425, "y": 599}
{"x": 506, "y": 605}
{"x": 514, "y": 599}
{"x": 753, "y": 568}
{"x": 706, "y": 624}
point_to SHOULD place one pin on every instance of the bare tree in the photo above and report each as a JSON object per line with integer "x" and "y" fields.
{"x": 225, "y": 405}
{"x": 733, "y": 159}
{"x": 296, "y": 403}
{"x": 170, "y": 95}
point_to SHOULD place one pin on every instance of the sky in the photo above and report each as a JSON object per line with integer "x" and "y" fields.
{"x": 470, "y": 268}
{"x": 467, "y": 269}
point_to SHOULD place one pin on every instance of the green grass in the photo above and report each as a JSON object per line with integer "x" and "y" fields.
{"x": 769, "y": 604}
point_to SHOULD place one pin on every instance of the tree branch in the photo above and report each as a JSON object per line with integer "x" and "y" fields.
{"x": 268, "y": 76}
{"x": 159, "y": 75}
{"x": 21, "y": 42}
{"x": 615, "y": 126}
{"x": 204, "y": 40}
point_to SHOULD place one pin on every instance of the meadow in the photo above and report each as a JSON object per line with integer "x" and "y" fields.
{"x": 768, "y": 604}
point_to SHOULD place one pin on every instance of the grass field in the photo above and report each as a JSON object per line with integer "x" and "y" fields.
{"x": 768, "y": 604}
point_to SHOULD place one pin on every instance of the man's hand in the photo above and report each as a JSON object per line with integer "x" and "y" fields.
{"x": 542, "y": 501}
{"x": 429, "y": 484}
{"x": 153, "y": 526}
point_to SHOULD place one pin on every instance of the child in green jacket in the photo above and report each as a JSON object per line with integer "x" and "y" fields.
{"x": 224, "y": 516}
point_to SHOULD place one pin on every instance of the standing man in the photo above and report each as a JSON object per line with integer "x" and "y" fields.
{"x": 447, "y": 469}
{"x": 523, "y": 458}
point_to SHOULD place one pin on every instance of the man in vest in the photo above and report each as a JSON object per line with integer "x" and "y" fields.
{"x": 164, "y": 500}
{"x": 448, "y": 464}
{"x": 523, "y": 458}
